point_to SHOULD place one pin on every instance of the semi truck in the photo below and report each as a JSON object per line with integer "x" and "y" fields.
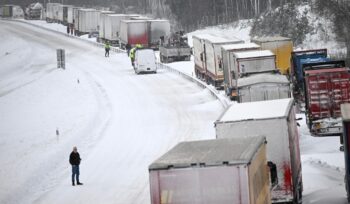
{"x": 263, "y": 87}
{"x": 200, "y": 61}
{"x": 327, "y": 86}
{"x": 52, "y": 10}
{"x": 214, "y": 73}
{"x": 243, "y": 64}
{"x": 63, "y": 13}
{"x": 34, "y": 11}
{"x": 112, "y": 27}
{"x": 299, "y": 58}
{"x": 133, "y": 32}
{"x": 227, "y": 60}
{"x": 175, "y": 48}
{"x": 345, "y": 114}
{"x": 212, "y": 171}
{"x": 102, "y": 25}
{"x": 88, "y": 21}
{"x": 11, "y": 11}
{"x": 282, "y": 47}
{"x": 276, "y": 120}
{"x": 158, "y": 29}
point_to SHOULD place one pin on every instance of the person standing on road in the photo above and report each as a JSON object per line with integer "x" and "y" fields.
{"x": 128, "y": 48}
{"x": 107, "y": 48}
{"x": 74, "y": 160}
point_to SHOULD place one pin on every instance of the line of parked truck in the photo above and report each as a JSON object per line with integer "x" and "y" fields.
{"x": 268, "y": 68}
{"x": 268, "y": 80}
{"x": 117, "y": 29}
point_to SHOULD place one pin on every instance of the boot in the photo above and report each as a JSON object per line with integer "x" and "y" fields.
{"x": 73, "y": 184}
{"x": 78, "y": 183}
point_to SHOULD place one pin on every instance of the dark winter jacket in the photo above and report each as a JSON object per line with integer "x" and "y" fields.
{"x": 74, "y": 158}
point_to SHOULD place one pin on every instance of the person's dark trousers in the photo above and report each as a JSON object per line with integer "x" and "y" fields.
{"x": 75, "y": 173}
{"x": 107, "y": 53}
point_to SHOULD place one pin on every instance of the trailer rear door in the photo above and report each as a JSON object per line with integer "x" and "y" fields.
{"x": 326, "y": 90}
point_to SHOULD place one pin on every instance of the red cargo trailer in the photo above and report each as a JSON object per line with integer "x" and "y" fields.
{"x": 326, "y": 90}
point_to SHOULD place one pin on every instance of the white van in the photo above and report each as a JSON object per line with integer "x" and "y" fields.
{"x": 145, "y": 61}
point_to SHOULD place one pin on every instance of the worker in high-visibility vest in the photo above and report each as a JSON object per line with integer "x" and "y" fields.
{"x": 132, "y": 55}
{"x": 107, "y": 48}
{"x": 133, "y": 51}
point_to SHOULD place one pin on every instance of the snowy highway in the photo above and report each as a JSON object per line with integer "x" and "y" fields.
{"x": 119, "y": 121}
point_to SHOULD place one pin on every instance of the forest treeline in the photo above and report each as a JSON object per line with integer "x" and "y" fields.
{"x": 184, "y": 14}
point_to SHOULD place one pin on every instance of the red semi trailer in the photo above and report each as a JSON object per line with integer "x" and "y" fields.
{"x": 327, "y": 86}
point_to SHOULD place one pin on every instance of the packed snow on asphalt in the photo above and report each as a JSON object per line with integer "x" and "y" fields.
{"x": 119, "y": 121}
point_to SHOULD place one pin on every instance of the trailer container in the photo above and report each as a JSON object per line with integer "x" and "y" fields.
{"x": 214, "y": 71}
{"x": 246, "y": 63}
{"x": 297, "y": 60}
{"x": 227, "y": 60}
{"x": 212, "y": 171}
{"x": 60, "y": 13}
{"x": 112, "y": 26}
{"x": 133, "y": 32}
{"x": 345, "y": 112}
{"x": 88, "y": 21}
{"x": 102, "y": 24}
{"x": 157, "y": 29}
{"x": 274, "y": 119}
{"x": 66, "y": 10}
{"x": 144, "y": 18}
{"x": 63, "y": 13}
{"x": 326, "y": 89}
{"x": 200, "y": 62}
{"x": 7, "y": 11}
{"x": 52, "y": 12}
{"x": 12, "y": 11}
{"x": 282, "y": 47}
{"x": 263, "y": 87}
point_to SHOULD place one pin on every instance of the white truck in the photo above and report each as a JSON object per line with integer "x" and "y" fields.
{"x": 227, "y": 60}
{"x": 212, "y": 171}
{"x": 274, "y": 119}
{"x": 200, "y": 65}
{"x": 102, "y": 26}
{"x": 213, "y": 56}
{"x": 88, "y": 21}
{"x": 52, "y": 10}
{"x": 63, "y": 13}
{"x": 263, "y": 87}
{"x": 157, "y": 28}
{"x": 112, "y": 26}
{"x": 246, "y": 63}
{"x": 133, "y": 32}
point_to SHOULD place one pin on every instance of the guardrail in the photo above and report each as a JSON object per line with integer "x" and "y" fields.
{"x": 212, "y": 91}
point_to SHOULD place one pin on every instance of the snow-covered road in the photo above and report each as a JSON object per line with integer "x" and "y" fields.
{"x": 120, "y": 122}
